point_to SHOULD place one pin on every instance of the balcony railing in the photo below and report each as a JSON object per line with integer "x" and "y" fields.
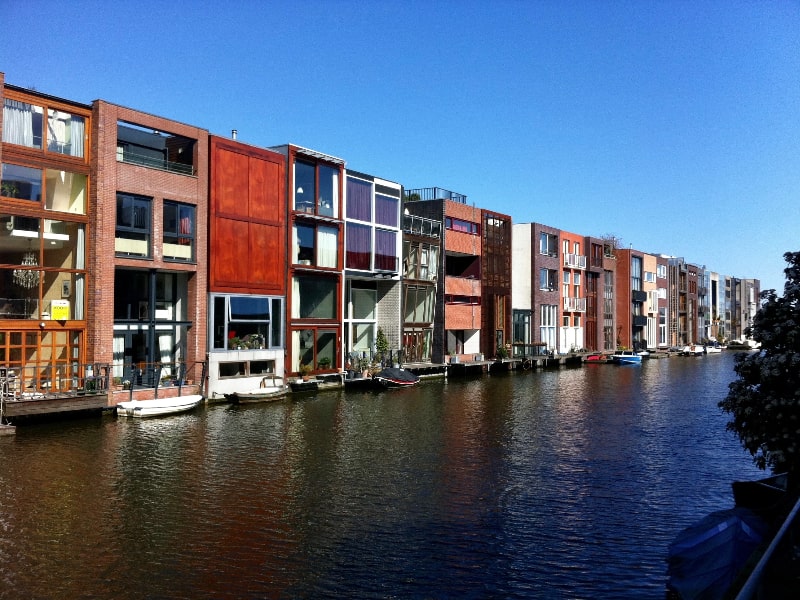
{"x": 575, "y": 261}
{"x": 155, "y": 163}
{"x": 434, "y": 193}
{"x": 421, "y": 226}
{"x": 575, "y": 304}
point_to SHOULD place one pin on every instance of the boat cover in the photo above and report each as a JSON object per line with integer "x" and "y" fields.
{"x": 400, "y": 375}
{"x": 706, "y": 557}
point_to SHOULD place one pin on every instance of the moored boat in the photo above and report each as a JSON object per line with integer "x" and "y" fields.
{"x": 395, "y": 378}
{"x": 626, "y": 357}
{"x": 158, "y": 407}
{"x": 692, "y": 350}
{"x": 263, "y": 393}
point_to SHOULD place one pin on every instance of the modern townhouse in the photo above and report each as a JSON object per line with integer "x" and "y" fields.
{"x": 315, "y": 242}
{"x": 662, "y": 287}
{"x": 650, "y": 287}
{"x": 372, "y": 264}
{"x": 46, "y": 230}
{"x": 683, "y": 284}
{"x": 573, "y": 300}
{"x": 149, "y": 214}
{"x": 496, "y": 231}
{"x": 247, "y": 266}
{"x": 593, "y": 291}
{"x": 744, "y": 296}
{"x": 535, "y": 290}
{"x": 422, "y": 246}
{"x": 630, "y": 299}
{"x": 457, "y": 314}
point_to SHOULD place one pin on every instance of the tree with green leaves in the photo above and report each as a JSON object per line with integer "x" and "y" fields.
{"x": 764, "y": 402}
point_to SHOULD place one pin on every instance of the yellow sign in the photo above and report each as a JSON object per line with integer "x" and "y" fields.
{"x": 59, "y": 310}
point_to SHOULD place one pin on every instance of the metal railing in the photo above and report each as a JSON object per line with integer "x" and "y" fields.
{"x": 155, "y": 163}
{"x": 422, "y": 226}
{"x": 433, "y": 193}
{"x": 36, "y": 380}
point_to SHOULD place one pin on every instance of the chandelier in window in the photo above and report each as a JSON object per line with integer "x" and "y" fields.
{"x": 27, "y": 278}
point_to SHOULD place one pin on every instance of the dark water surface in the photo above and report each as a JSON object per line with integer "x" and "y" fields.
{"x": 549, "y": 484}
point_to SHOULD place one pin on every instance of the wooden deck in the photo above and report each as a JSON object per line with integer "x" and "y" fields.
{"x": 43, "y": 404}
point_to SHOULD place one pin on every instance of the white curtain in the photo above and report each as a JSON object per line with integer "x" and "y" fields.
{"x": 77, "y": 129}
{"x": 165, "y": 351}
{"x": 326, "y": 246}
{"x": 18, "y": 123}
{"x": 80, "y": 280}
{"x": 119, "y": 356}
{"x": 295, "y": 298}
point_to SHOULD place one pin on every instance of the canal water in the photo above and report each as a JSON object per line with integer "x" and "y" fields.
{"x": 568, "y": 483}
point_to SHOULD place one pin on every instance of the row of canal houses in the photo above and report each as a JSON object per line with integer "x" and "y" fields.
{"x": 129, "y": 239}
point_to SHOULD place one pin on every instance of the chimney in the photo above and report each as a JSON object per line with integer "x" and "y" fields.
{"x": 233, "y": 133}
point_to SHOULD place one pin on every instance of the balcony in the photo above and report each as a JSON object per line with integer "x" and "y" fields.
{"x": 574, "y": 261}
{"x": 639, "y": 321}
{"x": 154, "y": 163}
{"x": 638, "y": 296}
{"x": 575, "y": 304}
{"x": 415, "y": 225}
{"x": 434, "y": 193}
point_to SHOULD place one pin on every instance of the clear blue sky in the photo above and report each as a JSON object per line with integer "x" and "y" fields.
{"x": 673, "y": 125}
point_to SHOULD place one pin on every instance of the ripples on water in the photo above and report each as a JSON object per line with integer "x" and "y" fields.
{"x": 550, "y": 484}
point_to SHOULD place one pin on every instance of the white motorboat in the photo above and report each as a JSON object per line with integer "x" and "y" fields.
{"x": 158, "y": 407}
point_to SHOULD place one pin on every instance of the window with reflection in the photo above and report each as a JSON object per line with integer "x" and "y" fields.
{"x": 65, "y": 133}
{"x": 22, "y": 123}
{"x": 315, "y": 347}
{"x": 316, "y": 188}
{"x": 178, "y": 228}
{"x": 22, "y": 183}
{"x": 133, "y": 226}
{"x": 45, "y": 276}
{"x": 315, "y": 245}
{"x": 313, "y": 297}
{"x": 65, "y": 191}
{"x": 246, "y": 322}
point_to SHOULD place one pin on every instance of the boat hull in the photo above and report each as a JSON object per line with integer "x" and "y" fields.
{"x": 395, "y": 378}
{"x": 257, "y": 395}
{"x": 158, "y": 407}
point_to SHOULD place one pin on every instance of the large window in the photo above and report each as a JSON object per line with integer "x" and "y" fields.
{"x": 133, "y": 226}
{"x": 315, "y": 245}
{"x": 385, "y": 250}
{"x": 316, "y": 188}
{"x": 313, "y": 297}
{"x": 548, "y": 279}
{"x": 359, "y": 199}
{"x": 315, "y": 347}
{"x": 636, "y": 273}
{"x": 462, "y": 225}
{"x": 23, "y": 183}
{"x": 420, "y": 260}
{"x": 547, "y": 325}
{"x": 387, "y": 210}
{"x": 178, "y": 228}
{"x": 63, "y": 191}
{"x": 246, "y": 322}
{"x": 359, "y": 246}
{"x": 23, "y": 124}
{"x": 45, "y": 276}
{"x": 419, "y": 304}
{"x": 548, "y": 244}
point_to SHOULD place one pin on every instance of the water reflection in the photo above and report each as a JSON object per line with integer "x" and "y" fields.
{"x": 566, "y": 483}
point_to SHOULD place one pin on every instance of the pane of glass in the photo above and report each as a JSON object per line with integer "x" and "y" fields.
{"x": 364, "y": 302}
{"x": 304, "y": 236}
{"x": 363, "y": 337}
{"x": 22, "y": 123}
{"x": 277, "y": 323}
{"x": 249, "y": 308}
{"x": 304, "y": 186}
{"x": 328, "y": 191}
{"x": 328, "y": 247}
{"x": 326, "y": 350}
{"x": 65, "y": 133}
{"x": 65, "y": 191}
{"x": 20, "y": 182}
{"x": 317, "y": 298}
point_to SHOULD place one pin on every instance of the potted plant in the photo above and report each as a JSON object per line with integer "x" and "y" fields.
{"x": 305, "y": 371}
{"x": 363, "y": 365}
{"x": 324, "y": 363}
